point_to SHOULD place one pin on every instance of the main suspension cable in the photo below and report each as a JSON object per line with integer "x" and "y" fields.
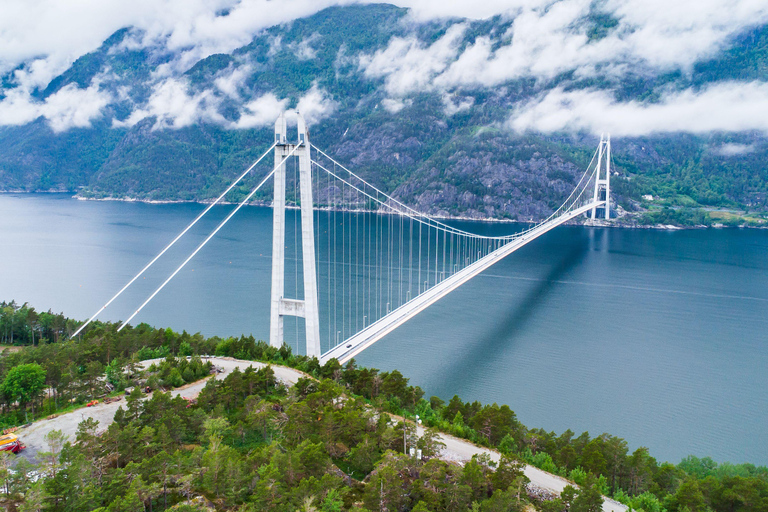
{"x": 421, "y": 217}
{"x": 221, "y": 225}
{"x": 231, "y": 186}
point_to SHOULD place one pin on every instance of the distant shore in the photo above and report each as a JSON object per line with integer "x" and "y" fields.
{"x": 613, "y": 223}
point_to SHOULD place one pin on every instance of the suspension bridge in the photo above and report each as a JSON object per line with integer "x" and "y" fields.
{"x": 364, "y": 262}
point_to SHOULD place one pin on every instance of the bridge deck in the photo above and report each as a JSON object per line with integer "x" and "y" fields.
{"x": 377, "y": 330}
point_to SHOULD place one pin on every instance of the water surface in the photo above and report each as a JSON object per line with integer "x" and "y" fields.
{"x": 659, "y": 337}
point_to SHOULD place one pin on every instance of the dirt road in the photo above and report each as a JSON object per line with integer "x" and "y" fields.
{"x": 455, "y": 449}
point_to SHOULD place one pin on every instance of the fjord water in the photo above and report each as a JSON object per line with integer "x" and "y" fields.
{"x": 659, "y": 337}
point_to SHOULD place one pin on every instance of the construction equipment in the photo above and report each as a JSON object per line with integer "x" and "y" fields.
{"x": 11, "y": 443}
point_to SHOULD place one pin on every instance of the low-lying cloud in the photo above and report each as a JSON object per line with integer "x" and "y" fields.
{"x": 734, "y": 149}
{"x": 547, "y": 39}
{"x": 409, "y": 65}
{"x": 39, "y": 39}
{"x": 261, "y": 112}
{"x": 315, "y": 105}
{"x": 60, "y": 32}
{"x": 173, "y": 105}
{"x": 70, "y": 107}
{"x": 729, "y": 106}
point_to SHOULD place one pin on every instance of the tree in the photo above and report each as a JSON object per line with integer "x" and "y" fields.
{"x": 420, "y": 507}
{"x": 589, "y": 498}
{"x": 430, "y": 443}
{"x": 24, "y": 383}
{"x": 508, "y": 473}
{"x": 387, "y": 489}
{"x": 688, "y": 496}
{"x": 592, "y": 458}
{"x": 568, "y": 495}
{"x": 364, "y": 455}
{"x": 495, "y": 422}
{"x": 35, "y": 499}
{"x": 55, "y": 440}
{"x": 502, "y": 501}
{"x": 641, "y": 467}
{"x": 91, "y": 379}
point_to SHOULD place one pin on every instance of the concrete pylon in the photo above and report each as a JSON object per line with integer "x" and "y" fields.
{"x": 280, "y": 305}
{"x": 603, "y": 176}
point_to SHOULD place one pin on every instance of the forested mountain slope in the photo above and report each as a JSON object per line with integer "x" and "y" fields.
{"x": 397, "y": 99}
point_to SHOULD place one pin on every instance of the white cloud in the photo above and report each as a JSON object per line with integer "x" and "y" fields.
{"x": 540, "y": 43}
{"x": 303, "y": 49}
{"x": 275, "y": 45}
{"x": 70, "y": 107}
{"x": 173, "y": 106}
{"x": 18, "y": 108}
{"x": 729, "y": 106}
{"x": 545, "y": 41}
{"x": 231, "y": 80}
{"x": 659, "y": 32}
{"x": 678, "y": 33}
{"x": 546, "y": 38}
{"x": 60, "y": 32}
{"x": 261, "y": 112}
{"x": 451, "y": 107}
{"x": 315, "y": 105}
{"x": 393, "y": 105}
{"x": 409, "y": 65}
{"x": 733, "y": 149}
{"x": 549, "y": 38}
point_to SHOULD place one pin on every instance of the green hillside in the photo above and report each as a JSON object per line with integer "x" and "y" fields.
{"x": 453, "y": 161}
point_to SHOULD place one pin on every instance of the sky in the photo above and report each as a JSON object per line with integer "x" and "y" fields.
{"x": 546, "y": 38}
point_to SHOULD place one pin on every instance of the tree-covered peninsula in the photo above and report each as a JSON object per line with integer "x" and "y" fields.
{"x": 334, "y": 441}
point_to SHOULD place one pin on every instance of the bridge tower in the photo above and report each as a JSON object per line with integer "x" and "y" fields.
{"x": 280, "y": 305}
{"x": 603, "y": 176}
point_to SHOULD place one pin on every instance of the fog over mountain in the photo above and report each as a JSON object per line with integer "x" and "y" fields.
{"x": 476, "y": 110}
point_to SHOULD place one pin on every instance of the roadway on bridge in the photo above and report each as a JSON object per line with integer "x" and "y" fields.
{"x": 455, "y": 449}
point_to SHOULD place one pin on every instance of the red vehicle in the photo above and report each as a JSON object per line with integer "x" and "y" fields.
{"x": 10, "y": 443}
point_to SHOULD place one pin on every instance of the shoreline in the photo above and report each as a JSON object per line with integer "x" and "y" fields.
{"x": 615, "y": 223}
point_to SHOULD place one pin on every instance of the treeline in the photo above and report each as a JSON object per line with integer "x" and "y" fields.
{"x": 24, "y": 326}
{"x": 29, "y": 391}
{"x": 51, "y": 376}
{"x": 256, "y": 414}
{"x": 684, "y": 216}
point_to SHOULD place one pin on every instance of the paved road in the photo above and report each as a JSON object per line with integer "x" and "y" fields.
{"x": 461, "y": 450}
{"x": 34, "y": 435}
{"x": 455, "y": 449}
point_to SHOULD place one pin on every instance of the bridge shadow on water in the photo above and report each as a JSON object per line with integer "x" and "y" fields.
{"x": 507, "y": 328}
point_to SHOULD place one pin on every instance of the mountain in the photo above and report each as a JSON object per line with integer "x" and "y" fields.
{"x": 399, "y": 101}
